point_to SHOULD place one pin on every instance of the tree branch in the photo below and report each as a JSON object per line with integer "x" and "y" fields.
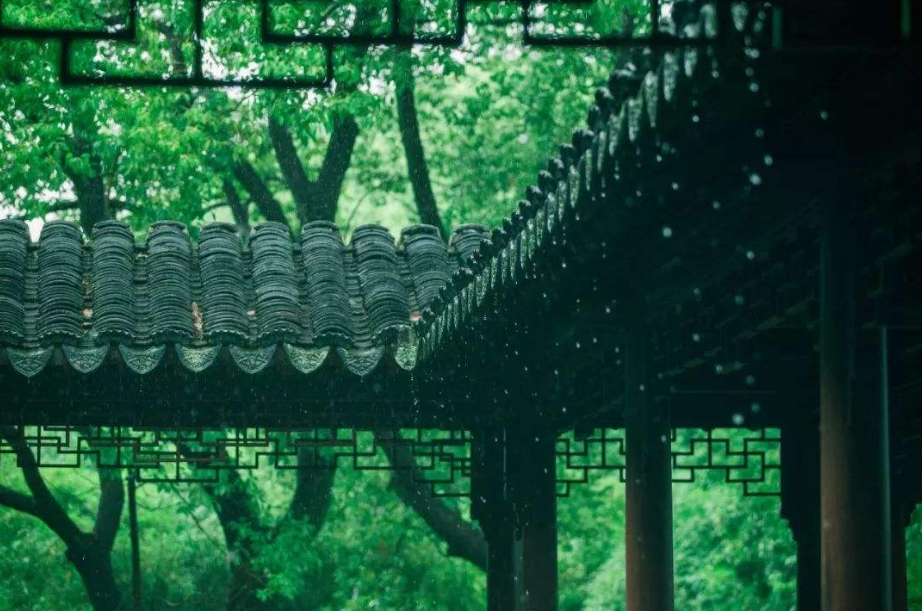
{"x": 111, "y": 502}
{"x": 336, "y": 162}
{"x": 91, "y": 195}
{"x": 268, "y": 206}
{"x": 177, "y": 57}
{"x": 313, "y": 489}
{"x": 286, "y": 154}
{"x": 238, "y": 208}
{"x": 238, "y": 515}
{"x": 47, "y": 508}
{"x": 463, "y": 538}
{"x": 18, "y": 501}
{"x": 408, "y": 121}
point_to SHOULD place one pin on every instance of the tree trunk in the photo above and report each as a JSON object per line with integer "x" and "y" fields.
{"x": 286, "y": 154}
{"x": 408, "y": 120}
{"x": 238, "y": 208}
{"x": 243, "y": 589}
{"x": 336, "y": 162}
{"x": 91, "y": 196}
{"x": 94, "y": 565}
{"x": 463, "y": 538}
{"x": 268, "y": 206}
{"x": 90, "y": 553}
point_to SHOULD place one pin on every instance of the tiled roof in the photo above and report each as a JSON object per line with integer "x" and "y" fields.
{"x": 93, "y": 298}
{"x": 636, "y": 120}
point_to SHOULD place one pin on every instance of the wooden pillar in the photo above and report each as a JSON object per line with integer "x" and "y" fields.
{"x": 800, "y": 501}
{"x": 533, "y": 491}
{"x": 493, "y": 512}
{"x": 898, "y": 560}
{"x": 135, "y": 537}
{"x": 648, "y": 513}
{"x": 854, "y": 461}
{"x": 906, "y": 491}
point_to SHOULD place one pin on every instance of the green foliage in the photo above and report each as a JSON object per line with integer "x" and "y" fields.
{"x": 164, "y": 153}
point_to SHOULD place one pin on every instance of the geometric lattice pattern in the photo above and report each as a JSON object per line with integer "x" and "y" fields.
{"x": 749, "y": 458}
{"x": 438, "y": 459}
{"x": 318, "y": 37}
{"x": 578, "y": 459}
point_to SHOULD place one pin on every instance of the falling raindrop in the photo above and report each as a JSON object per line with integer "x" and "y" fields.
{"x": 667, "y": 231}
{"x": 755, "y": 179}
{"x": 738, "y": 419}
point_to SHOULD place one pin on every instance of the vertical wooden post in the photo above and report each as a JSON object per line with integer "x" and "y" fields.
{"x": 906, "y": 492}
{"x": 534, "y": 494}
{"x": 898, "y": 559}
{"x": 648, "y": 519}
{"x": 854, "y": 462}
{"x": 800, "y": 502}
{"x": 493, "y": 512}
{"x": 135, "y": 537}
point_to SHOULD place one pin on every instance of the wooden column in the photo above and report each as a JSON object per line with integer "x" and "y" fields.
{"x": 493, "y": 512}
{"x": 648, "y": 519}
{"x": 854, "y": 461}
{"x": 800, "y": 501}
{"x": 135, "y": 537}
{"x": 906, "y": 490}
{"x": 533, "y": 492}
{"x": 898, "y": 560}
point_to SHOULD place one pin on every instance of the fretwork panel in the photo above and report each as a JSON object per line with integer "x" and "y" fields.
{"x": 440, "y": 460}
{"x": 749, "y": 458}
